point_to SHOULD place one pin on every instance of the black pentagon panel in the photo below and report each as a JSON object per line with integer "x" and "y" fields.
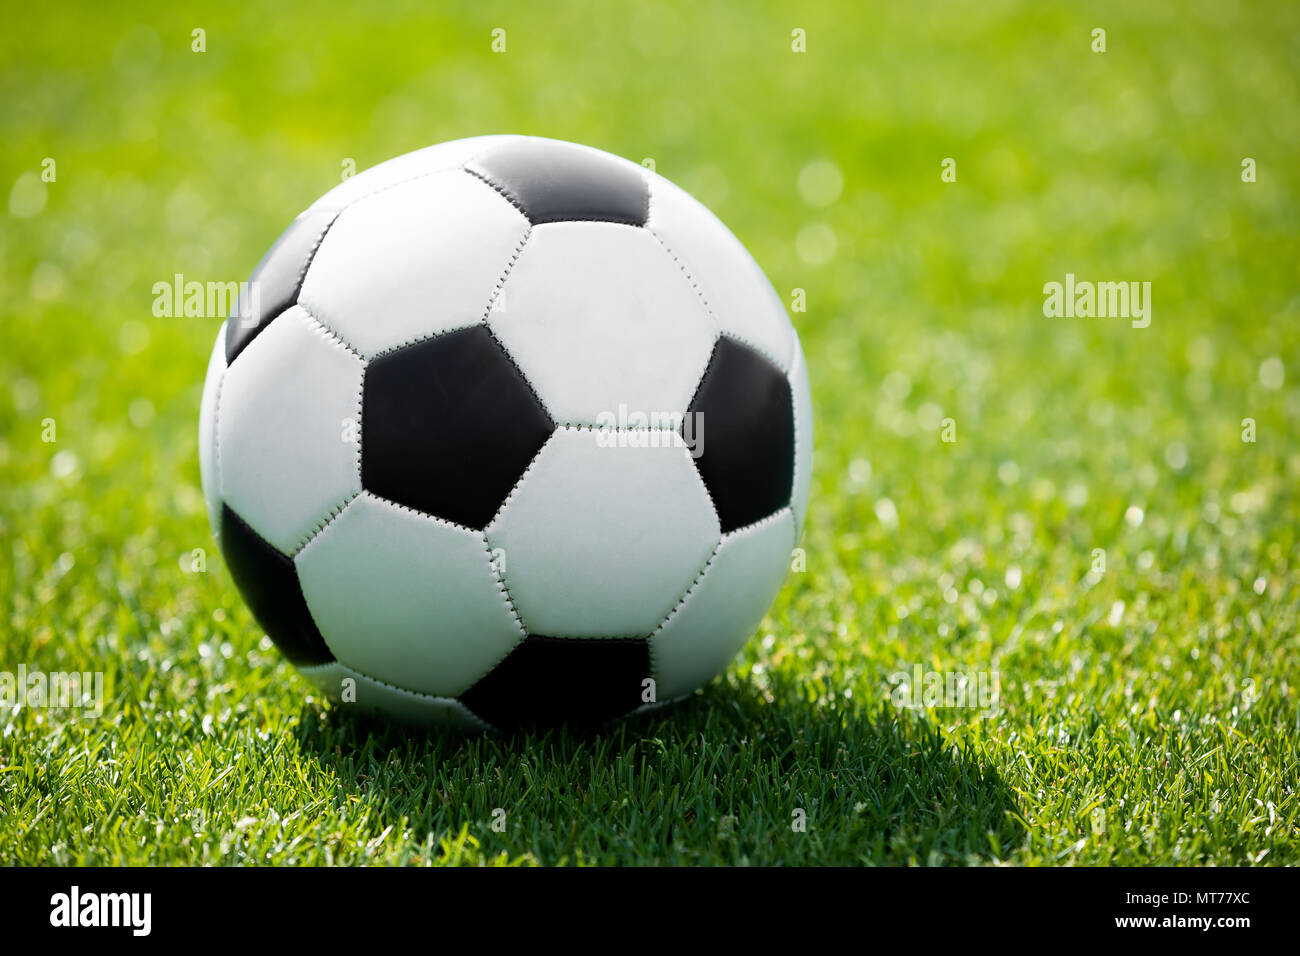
{"x": 449, "y": 425}
{"x": 747, "y": 426}
{"x": 551, "y": 680}
{"x": 268, "y": 581}
{"x": 277, "y": 278}
{"x": 559, "y": 182}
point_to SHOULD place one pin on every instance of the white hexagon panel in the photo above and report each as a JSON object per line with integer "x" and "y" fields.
{"x": 407, "y": 598}
{"x": 601, "y": 541}
{"x": 598, "y": 316}
{"x": 380, "y": 697}
{"x": 741, "y": 299}
{"x": 288, "y": 430}
{"x": 724, "y": 607}
{"x": 425, "y": 273}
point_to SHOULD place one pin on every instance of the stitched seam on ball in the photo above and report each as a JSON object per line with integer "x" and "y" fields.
{"x": 584, "y": 427}
{"x": 496, "y": 187}
{"x": 422, "y": 514}
{"x": 717, "y": 324}
{"x": 419, "y": 339}
{"x": 486, "y": 323}
{"x": 708, "y": 309}
{"x": 330, "y": 517}
{"x": 693, "y": 463}
{"x": 749, "y": 528}
{"x": 311, "y": 256}
{"x": 520, "y": 372}
{"x": 239, "y": 519}
{"x": 361, "y": 432}
{"x": 505, "y": 274}
{"x": 694, "y": 585}
{"x": 699, "y": 378}
{"x": 756, "y": 525}
{"x": 708, "y": 367}
{"x": 416, "y": 340}
{"x": 506, "y": 597}
{"x": 713, "y": 316}
{"x": 699, "y": 293}
{"x": 761, "y": 350}
{"x": 596, "y": 219}
{"x": 604, "y": 219}
{"x": 523, "y": 634}
{"x": 418, "y": 695}
{"x": 323, "y": 329}
{"x": 393, "y": 185}
{"x": 518, "y": 484}
{"x": 329, "y": 332}
{"x": 356, "y": 200}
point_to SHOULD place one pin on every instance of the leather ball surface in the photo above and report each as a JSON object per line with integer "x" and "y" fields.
{"x": 507, "y": 431}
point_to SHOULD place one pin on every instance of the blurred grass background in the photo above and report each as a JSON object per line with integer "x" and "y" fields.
{"x": 1149, "y": 714}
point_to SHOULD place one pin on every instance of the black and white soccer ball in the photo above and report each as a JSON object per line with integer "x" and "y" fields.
{"x": 509, "y": 431}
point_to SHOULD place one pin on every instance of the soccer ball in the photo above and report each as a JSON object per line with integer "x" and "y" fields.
{"x": 507, "y": 431}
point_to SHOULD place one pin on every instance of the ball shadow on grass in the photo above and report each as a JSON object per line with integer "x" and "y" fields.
{"x": 736, "y": 774}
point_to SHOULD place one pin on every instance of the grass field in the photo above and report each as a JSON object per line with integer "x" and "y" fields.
{"x": 1099, "y": 535}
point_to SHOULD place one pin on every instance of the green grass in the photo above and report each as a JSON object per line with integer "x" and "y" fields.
{"x": 1148, "y": 713}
